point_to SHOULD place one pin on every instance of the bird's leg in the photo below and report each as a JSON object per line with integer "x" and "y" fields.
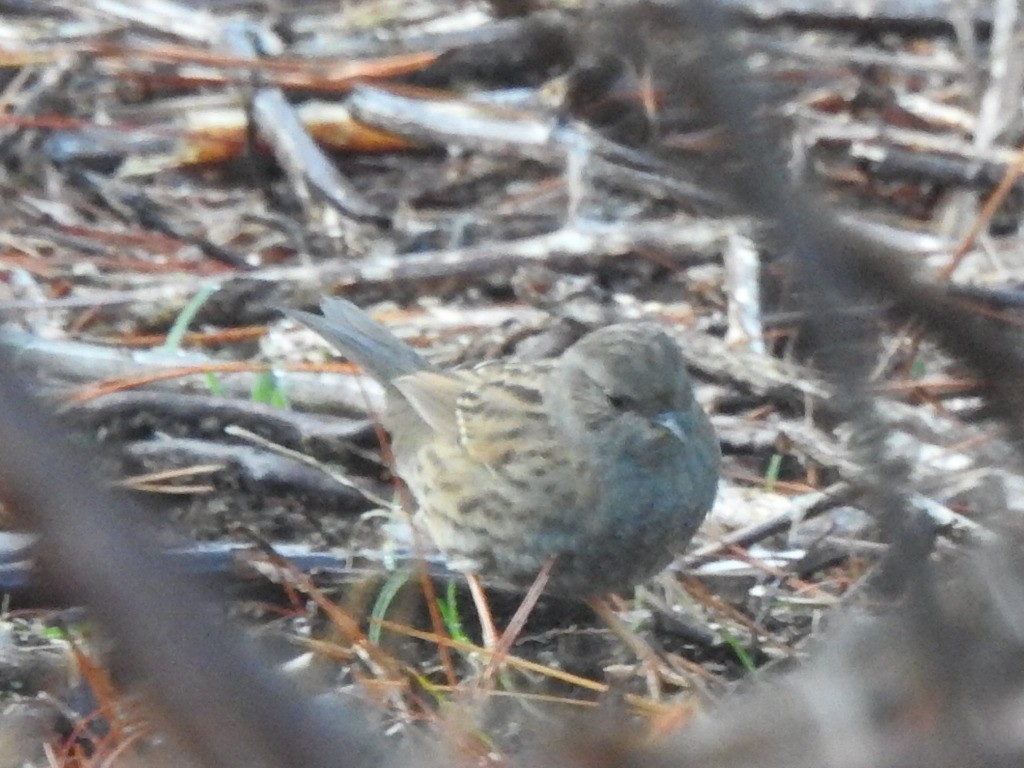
{"x": 654, "y": 667}
{"x": 483, "y": 611}
{"x": 504, "y": 644}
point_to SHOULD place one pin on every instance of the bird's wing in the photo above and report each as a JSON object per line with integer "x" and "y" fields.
{"x": 501, "y": 412}
{"x": 496, "y": 428}
{"x": 434, "y": 397}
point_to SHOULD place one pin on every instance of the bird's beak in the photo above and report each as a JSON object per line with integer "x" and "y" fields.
{"x": 673, "y": 423}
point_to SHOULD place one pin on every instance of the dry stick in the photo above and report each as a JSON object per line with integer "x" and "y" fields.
{"x": 101, "y": 755}
{"x": 829, "y": 498}
{"x": 422, "y": 574}
{"x": 652, "y": 660}
{"x": 116, "y": 384}
{"x": 99, "y": 388}
{"x": 999, "y": 194}
{"x": 518, "y": 621}
{"x": 406, "y": 502}
{"x": 648, "y": 706}
{"x": 225, "y": 705}
{"x": 795, "y": 582}
{"x": 338, "y": 617}
{"x": 348, "y": 625}
{"x": 159, "y": 481}
{"x": 648, "y": 657}
{"x": 108, "y": 701}
{"x": 684, "y": 239}
{"x": 430, "y": 595}
{"x": 704, "y": 596}
{"x": 112, "y": 757}
{"x": 351, "y": 628}
{"x": 920, "y": 16}
{"x": 1013, "y": 172}
{"x": 305, "y": 164}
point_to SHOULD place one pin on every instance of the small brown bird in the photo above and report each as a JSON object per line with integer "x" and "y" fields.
{"x": 601, "y": 458}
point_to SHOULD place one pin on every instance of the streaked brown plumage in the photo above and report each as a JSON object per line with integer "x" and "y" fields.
{"x": 601, "y": 457}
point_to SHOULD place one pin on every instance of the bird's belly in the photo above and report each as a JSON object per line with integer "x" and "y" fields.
{"x": 603, "y": 539}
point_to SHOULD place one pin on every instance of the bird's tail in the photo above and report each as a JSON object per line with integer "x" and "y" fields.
{"x": 363, "y": 341}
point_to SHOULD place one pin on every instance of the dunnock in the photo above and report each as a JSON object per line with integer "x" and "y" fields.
{"x": 601, "y": 458}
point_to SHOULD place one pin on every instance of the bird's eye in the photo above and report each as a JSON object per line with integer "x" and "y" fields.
{"x": 618, "y": 402}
